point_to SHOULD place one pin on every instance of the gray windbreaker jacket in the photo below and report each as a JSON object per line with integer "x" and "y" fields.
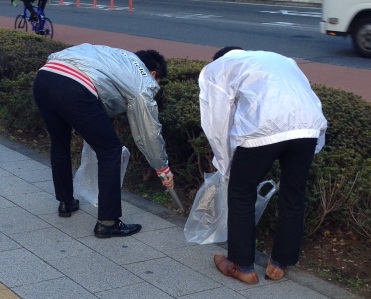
{"x": 123, "y": 84}
{"x": 256, "y": 98}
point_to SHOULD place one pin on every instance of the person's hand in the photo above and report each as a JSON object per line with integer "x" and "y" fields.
{"x": 166, "y": 177}
{"x": 168, "y": 181}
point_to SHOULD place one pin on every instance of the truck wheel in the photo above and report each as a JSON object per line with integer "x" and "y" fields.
{"x": 361, "y": 36}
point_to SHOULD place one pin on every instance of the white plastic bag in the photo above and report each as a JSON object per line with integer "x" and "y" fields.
{"x": 85, "y": 181}
{"x": 207, "y": 220}
{"x": 262, "y": 201}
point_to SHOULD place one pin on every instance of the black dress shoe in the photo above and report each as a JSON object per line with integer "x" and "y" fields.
{"x": 119, "y": 229}
{"x": 65, "y": 209}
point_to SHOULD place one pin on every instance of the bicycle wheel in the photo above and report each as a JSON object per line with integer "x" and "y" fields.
{"x": 21, "y": 23}
{"x": 48, "y": 28}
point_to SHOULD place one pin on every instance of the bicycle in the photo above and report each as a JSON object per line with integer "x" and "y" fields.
{"x": 42, "y": 25}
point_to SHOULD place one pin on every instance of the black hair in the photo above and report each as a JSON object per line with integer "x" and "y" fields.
{"x": 154, "y": 61}
{"x": 225, "y": 50}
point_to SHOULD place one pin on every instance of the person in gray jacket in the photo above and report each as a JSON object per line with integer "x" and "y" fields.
{"x": 258, "y": 107}
{"x": 81, "y": 87}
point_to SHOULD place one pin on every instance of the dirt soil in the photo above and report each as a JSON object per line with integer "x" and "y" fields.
{"x": 337, "y": 256}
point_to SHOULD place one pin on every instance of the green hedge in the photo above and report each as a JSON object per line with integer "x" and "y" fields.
{"x": 339, "y": 185}
{"x": 23, "y": 53}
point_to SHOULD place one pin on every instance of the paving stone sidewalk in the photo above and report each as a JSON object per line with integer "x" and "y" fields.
{"x": 44, "y": 256}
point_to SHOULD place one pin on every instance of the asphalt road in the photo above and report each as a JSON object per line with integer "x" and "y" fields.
{"x": 349, "y": 78}
{"x": 289, "y": 30}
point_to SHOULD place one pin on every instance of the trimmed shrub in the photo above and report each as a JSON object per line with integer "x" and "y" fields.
{"x": 22, "y": 52}
{"x": 17, "y": 111}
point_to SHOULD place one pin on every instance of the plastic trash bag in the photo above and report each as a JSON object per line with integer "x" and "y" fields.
{"x": 207, "y": 220}
{"x": 262, "y": 200}
{"x": 85, "y": 181}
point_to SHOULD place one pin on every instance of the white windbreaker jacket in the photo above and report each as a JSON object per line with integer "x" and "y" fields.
{"x": 123, "y": 84}
{"x": 256, "y": 98}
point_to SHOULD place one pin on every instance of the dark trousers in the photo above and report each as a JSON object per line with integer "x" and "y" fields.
{"x": 65, "y": 104}
{"x": 249, "y": 167}
{"x": 28, "y": 4}
{"x": 42, "y": 4}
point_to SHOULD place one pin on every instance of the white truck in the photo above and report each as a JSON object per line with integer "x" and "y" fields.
{"x": 349, "y": 17}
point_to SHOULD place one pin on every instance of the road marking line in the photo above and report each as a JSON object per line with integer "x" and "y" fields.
{"x": 295, "y": 13}
{"x": 280, "y": 24}
{"x": 180, "y": 15}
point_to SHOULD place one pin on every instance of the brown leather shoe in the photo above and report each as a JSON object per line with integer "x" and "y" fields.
{"x": 231, "y": 270}
{"x": 274, "y": 272}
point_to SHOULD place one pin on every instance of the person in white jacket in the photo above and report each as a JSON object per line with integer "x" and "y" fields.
{"x": 258, "y": 107}
{"x": 81, "y": 87}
